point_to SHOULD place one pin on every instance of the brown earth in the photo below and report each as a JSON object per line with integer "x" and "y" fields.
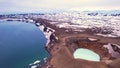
{"x": 61, "y": 51}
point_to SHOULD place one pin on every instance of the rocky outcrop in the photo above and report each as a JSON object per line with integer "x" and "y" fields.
{"x": 48, "y": 32}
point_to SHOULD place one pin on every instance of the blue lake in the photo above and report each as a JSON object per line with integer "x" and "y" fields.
{"x": 20, "y": 44}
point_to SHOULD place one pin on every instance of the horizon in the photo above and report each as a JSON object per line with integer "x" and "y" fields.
{"x": 53, "y": 5}
{"x": 61, "y": 11}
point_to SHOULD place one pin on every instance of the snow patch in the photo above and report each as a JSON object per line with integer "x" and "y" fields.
{"x": 92, "y": 39}
{"x": 34, "y": 66}
{"x": 36, "y": 62}
{"x": 106, "y": 35}
{"x": 112, "y": 50}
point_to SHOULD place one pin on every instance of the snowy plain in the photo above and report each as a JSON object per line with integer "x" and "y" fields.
{"x": 107, "y": 25}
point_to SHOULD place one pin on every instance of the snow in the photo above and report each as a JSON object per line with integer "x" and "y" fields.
{"x": 45, "y": 59}
{"x": 30, "y": 64}
{"x": 41, "y": 27}
{"x": 92, "y": 39}
{"x": 53, "y": 22}
{"x": 62, "y": 25}
{"x": 111, "y": 51}
{"x": 38, "y": 61}
{"x": 81, "y": 20}
{"x": 29, "y": 20}
{"x": 38, "y": 24}
{"x": 47, "y": 33}
{"x": 56, "y": 37}
{"x": 34, "y": 66}
{"x": 106, "y": 35}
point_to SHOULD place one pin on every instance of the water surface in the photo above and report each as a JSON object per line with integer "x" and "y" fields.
{"x": 86, "y": 54}
{"x": 20, "y": 44}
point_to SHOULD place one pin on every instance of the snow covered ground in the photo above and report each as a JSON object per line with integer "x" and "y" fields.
{"x": 106, "y": 23}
